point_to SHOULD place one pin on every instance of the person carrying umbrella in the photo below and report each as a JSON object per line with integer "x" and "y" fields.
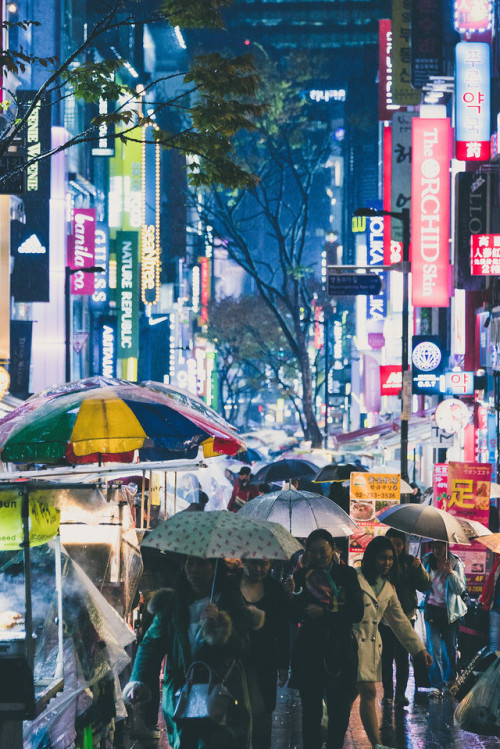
{"x": 203, "y": 619}
{"x": 444, "y": 606}
{"x": 243, "y": 490}
{"x": 327, "y": 602}
{"x": 380, "y": 601}
{"x": 408, "y": 576}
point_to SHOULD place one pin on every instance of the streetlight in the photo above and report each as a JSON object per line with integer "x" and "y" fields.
{"x": 404, "y": 266}
{"x": 68, "y": 272}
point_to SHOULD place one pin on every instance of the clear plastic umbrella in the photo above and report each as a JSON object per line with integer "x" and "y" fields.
{"x": 300, "y": 512}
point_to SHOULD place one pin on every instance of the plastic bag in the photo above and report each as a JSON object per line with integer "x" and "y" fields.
{"x": 479, "y": 711}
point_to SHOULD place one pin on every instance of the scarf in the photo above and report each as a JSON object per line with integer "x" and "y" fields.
{"x": 321, "y": 585}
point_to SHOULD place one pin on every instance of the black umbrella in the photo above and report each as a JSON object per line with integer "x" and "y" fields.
{"x": 284, "y": 470}
{"x": 337, "y": 472}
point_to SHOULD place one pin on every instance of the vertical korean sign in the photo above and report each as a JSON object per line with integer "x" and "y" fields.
{"x": 127, "y": 259}
{"x": 430, "y": 205}
{"x": 403, "y": 93}
{"x": 386, "y": 105}
{"x": 468, "y": 496}
{"x": 400, "y": 169}
{"x": 473, "y": 101}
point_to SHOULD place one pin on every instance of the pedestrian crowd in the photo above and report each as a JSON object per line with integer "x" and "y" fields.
{"x": 225, "y": 635}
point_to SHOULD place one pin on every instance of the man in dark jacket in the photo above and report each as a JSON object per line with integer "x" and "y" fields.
{"x": 243, "y": 490}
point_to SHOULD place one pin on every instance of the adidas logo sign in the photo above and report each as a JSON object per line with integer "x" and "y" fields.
{"x": 32, "y": 246}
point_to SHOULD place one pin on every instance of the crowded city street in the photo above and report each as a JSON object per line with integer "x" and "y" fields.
{"x": 249, "y": 374}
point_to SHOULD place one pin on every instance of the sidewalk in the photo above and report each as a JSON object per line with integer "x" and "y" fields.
{"x": 428, "y": 724}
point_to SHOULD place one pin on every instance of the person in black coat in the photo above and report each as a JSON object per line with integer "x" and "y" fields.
{"x": 326, "y": 601}
{"x": 269, "y": 645}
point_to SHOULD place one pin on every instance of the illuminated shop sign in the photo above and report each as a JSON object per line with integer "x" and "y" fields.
{"x": 400, "y": 187}
{"x": 402, "y": 90}
{"x": 426, "y": 40}
{"x": 108, "y": 347}
{"x": 473, "y": 16}
{"x": 105, "y": 144}
{"x": 30, "y": 250}
{"x": 472, "y": 196}
{"x": 37, "y": 142}
{"x": 430, "y": 205}
{"x": 458, "y": 383}
{"x": 101, "y": 280}
{"x": 150, "y": 266}
{"x": 331, "y": 94}
{"x": 376, "y": 305}
{"x": 391, "y": 379}
{"x": 204, "y": 288}
{"x": 473, "y": 85}
{"x": 81, "y": 250}
{"x": 427, "y": 364}
{"x": 128, "y": 294}
{"x": 485, "y": 255}
{"x": 386, "y": 105}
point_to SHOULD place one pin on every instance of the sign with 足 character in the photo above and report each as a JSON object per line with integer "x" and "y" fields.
{"x": 485, "y": 254}
{"x": 468, "y": 496}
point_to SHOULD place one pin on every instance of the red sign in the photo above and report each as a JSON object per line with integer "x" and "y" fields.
{"x": 81, "y": 250}
{"x": 391, "y": 379}
{"x": 485, "y": 254}
{"x": 204, "y": 288}
{"x": 393, "y": 251}
{"x": 473, "y": 15}
{"x": 386, "y": 105}
{"x": 468, "y": 496}
{"x": 430, "y": 211}
{"x": 440, "y": 485}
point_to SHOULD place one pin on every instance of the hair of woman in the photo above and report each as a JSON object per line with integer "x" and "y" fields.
{"x": 374, "y": 548}
{"x": 393, "y": 533}
{"x": 320, "y": 533}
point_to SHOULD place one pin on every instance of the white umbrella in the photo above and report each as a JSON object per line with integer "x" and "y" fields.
{"x": 300, "y": 512}
{"x": 494, "y": 490}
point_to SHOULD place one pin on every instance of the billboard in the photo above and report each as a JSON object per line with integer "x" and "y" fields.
{"x": 81, "y": 250}
{"x": 127, "y": 278}
{"x": 473, "y": 100}
{"x": 427, "y": 363}
{"x": 426, "y": 40}
{"x": 391, "y": 379}
{"x": 30, "y": 250}
{"x": 402, "y": 90}
{"x": 400, "y": 169}
{"x": 485, "y": 254}
{"x": 430, "y": 206}
{"x": 101, "y": 280}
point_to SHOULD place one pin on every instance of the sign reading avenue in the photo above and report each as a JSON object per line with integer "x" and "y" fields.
{"x": 350, "y": 284}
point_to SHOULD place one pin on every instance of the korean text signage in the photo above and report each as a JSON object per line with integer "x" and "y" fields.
{"x": 386, "y": 105}
{"x": 81, "y": 250}
{"x": 473, "y": 16}
{"x": 485, "y": 255}
{"x": 430, "y": 204}
{"x": 468, "y": 496}
{"x": 473, "y": 97}
{"x": 108, "y": 347}
{"x": 370, "y": 494}
{"x": 400, "y": 169}
{"x": 426, "y": 40}
{"x": 427, "y": 363}
{"x": 439, "y": 484}
{"x": 403, "y": 93}
{"x": 459, "y": 383}
{"x": 391, "y": 379}
{"x": 471, "y": 219}
{"x": 128, "y": 293}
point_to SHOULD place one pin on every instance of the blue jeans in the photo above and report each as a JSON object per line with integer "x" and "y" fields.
{"x": 442, "y": 645}
{"x": 495, "y": 630}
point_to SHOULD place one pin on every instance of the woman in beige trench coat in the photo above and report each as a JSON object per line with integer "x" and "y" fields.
{"x": 381, "y": 602}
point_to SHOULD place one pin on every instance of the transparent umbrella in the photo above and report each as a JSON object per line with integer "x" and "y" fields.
{"x": 300, "y": 512}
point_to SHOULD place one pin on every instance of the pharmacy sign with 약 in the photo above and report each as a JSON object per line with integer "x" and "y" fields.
{"x": 473, "y": 97}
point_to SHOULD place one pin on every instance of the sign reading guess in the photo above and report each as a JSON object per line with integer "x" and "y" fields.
{"x": 430, "y": 206}
{"x": 473, "y": 96}
{"x": 81, "y": 250}
{"x": 391, "y": 379}
{"x": 485, "y": 254}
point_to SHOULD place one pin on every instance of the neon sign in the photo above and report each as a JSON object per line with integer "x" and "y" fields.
{"x": 473, "y": 97}
{"x": 150, "y": 266}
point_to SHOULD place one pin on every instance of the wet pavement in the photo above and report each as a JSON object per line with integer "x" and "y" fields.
{"x": 424, "y": 724}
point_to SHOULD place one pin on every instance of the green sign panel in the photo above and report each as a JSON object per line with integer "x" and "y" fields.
{"x": 127, "y": 281}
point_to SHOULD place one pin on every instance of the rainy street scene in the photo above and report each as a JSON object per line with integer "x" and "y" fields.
{"x": 249, "y": 374}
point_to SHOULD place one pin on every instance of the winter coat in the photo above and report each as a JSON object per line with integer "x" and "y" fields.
{"x": 456, "y": 586}
{"x": 225, "y": 640}
{"x": 325, "y": 648}
{"x": 270, "y": 643}
{"x": 384, "y": 606}
{"x": 407, "y": 579}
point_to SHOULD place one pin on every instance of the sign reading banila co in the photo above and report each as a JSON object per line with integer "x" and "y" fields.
{"x": 430, "y": 205}
{"x": 81, "y": 250}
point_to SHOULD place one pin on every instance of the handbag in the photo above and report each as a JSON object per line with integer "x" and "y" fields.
{"x": 210, "y": 699}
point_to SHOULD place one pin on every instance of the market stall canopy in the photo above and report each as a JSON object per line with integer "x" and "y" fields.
{"x": 300, "y": 512}
{"x": 108, "y": 424}
{"x": 425, "y": 521}
{"x": 218, "y": 534}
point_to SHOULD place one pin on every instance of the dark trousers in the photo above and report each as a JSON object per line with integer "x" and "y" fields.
{"x": 392, "y": 650}
{"x": 339, "y": 699}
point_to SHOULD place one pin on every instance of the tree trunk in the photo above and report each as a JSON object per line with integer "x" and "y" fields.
{"x": 313, "y": 430}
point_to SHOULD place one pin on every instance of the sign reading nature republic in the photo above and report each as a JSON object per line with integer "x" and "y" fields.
{"x": 468, "y": 496}
{"x": 430, "y": 210}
